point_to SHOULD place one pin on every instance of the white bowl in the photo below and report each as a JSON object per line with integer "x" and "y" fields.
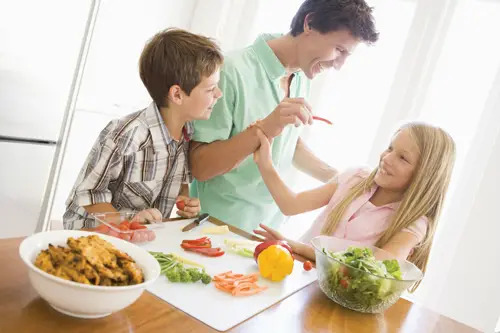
{"x": 78, "y": 299}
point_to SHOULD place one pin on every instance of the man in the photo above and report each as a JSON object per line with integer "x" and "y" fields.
{"x": 264, "y": 86}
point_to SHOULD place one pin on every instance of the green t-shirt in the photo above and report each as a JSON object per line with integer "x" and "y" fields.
{"x": 250, "y": 83}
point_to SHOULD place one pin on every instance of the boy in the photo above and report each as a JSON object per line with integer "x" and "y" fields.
{"x": 140, "y": 162}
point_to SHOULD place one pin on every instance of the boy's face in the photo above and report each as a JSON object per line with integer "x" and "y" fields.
{"x": 199, "y": 104}
{"x": 398, "y": 163}
{"x": 318, "y": 52}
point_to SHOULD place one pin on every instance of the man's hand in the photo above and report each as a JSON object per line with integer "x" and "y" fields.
{"x": 187, "y": 207}
{"x": 290, "y": 111}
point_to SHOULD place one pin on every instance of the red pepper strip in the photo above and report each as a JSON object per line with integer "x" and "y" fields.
{"x": 196, "y": 246}
{"x": 195, "y": 243}
{"x": 210, "y": 252}
{"x": 203, "y": 240}
{"x": 322, "y": 119}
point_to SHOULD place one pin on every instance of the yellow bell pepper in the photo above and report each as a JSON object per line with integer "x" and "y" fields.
{"x": 275, "y": 263}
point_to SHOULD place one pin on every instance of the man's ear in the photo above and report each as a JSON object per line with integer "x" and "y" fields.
{"x": 307, "y": 26}
{"x": 175, "y": 95}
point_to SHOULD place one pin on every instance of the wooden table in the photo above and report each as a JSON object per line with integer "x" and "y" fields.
{"x": 308, "y": 310}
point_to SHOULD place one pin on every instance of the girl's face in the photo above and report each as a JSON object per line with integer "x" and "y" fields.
{"x": 398, "y": 163}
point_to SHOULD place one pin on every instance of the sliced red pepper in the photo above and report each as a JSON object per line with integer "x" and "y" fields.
{"x": 196, "y": 246}
{"x": 197, "y": 243}
{"x": 210, "y": 252}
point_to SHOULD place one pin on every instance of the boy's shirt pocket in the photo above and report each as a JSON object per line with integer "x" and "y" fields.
{"x": 145, "y": 166}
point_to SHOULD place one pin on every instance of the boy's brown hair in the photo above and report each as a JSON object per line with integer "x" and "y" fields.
{"x": 177, "y": 57}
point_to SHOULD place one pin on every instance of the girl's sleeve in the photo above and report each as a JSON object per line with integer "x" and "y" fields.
{"x": 418, "y": 228}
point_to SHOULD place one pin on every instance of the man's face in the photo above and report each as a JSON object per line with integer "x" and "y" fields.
{"x": 318, "y": 52}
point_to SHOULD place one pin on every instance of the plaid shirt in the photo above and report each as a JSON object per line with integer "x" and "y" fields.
{"x": 134, "y": 164}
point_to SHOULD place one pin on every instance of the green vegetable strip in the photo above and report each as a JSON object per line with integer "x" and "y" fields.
{"x": 173, "y": 268}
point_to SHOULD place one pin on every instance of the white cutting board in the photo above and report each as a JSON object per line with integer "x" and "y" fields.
{"x": 212, "y": 306}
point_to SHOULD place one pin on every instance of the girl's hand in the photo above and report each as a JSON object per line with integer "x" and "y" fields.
{"x": 188, "y": 207}
{"x": 268, "y": 233}
{"x": 262, "y": 156}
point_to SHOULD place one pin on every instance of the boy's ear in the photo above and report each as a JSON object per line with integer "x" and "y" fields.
{"x": 175, "y": 94}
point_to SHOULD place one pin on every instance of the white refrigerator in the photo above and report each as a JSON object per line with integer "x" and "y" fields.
{"x": 41, "y": 47}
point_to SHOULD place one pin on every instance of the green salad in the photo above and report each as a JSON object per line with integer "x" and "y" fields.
{"x": 354, "y": 285}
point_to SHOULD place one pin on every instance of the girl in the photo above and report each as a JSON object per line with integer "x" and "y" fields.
{"x": 395, "y": 207}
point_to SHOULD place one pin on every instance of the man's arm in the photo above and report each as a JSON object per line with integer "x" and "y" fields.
{"x": 307, "y": 162}
{"x": 216, "y": 158}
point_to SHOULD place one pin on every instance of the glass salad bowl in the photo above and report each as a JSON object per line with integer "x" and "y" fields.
{"x": 362, "y": 278}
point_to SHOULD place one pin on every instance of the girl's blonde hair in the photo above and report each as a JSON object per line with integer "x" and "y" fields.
{"x": 424, "y": 196}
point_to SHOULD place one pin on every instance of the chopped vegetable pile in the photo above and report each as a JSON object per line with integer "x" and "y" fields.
{"x": 172, "y": 266}
{"x": 238, "y": 284}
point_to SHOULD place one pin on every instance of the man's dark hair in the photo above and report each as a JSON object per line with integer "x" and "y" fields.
{"x": 332, "y": 15}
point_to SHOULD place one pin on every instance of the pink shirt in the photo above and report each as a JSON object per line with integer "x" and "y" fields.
{"x": 363, "y": 222}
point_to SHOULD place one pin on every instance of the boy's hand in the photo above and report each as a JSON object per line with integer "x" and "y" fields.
{"x": 187, "y": 207}
{"x": 146, "y": 215}
{"x": 262, "y": 156}
{"x": 268, "y": 233}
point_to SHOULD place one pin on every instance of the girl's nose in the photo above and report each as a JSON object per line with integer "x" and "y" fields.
{"x": 387, "y": 158}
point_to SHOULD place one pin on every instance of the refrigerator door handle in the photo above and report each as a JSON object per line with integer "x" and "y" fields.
{"x": 13, "y": 139}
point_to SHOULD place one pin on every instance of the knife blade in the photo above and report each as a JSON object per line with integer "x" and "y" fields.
{"x": 196, "y": 222}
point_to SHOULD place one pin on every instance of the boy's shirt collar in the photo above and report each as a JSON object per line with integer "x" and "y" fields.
{"x": 159, "y": 131}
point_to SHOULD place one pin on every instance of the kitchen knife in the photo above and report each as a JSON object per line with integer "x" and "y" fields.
{"x": 195, "y": 223}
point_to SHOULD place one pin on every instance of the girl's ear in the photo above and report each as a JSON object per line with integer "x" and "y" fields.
{"x": 175, "y": 95}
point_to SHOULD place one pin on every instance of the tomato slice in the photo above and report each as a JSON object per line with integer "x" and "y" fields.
{"x": 137, "y": 226}
{"x": 102, "y": 228}
{"x": 344, "y": 283}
